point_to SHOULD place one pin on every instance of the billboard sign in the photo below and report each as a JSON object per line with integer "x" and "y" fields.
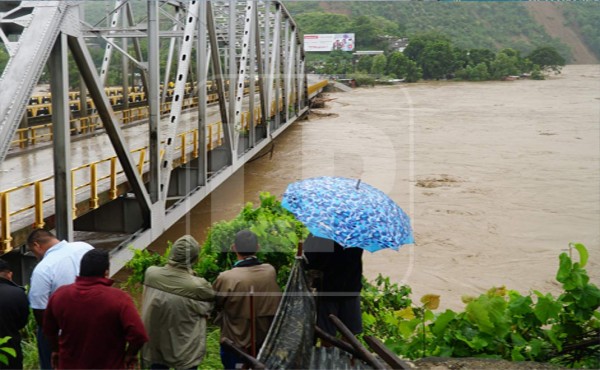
{"x": 329, "y": 42}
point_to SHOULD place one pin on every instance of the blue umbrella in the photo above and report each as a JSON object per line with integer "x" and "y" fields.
{"x": 348, "y": 211}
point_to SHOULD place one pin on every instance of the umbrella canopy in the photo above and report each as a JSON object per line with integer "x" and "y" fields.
{"x": 348, "y": 211}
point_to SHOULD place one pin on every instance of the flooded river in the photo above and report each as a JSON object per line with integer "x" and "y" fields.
{"x": 498, "y": 177}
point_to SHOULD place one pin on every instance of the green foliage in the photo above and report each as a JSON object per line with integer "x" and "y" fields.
{"x": 381, "y": 302}
{"x": 362, "y": 79}
{"x": 505, "y": 324}
{"x": 369, "y": 31}
{"x": 319, "y": 22}
{"x": 401, "y": 67}
{"x": 419, "y": 42}
{"x": 278, "y": 234}
{"x": 484, "y": 25}
{"x": 141, "y": 260}
{"x": 437, "y": 60}
{"x": 364, "y": 64}
{"x": 212, "y": 359}
{"x": 547, "y": 58}
{"x": 6, "y": 351}
{"x": 505, "y": 64}
{"x": 29, "y": 342}
{"x": 338, "y": 62}
{"x": 379, "y": 65}
{"x": 3, "y": 59}
{"x": 477, "y": 73}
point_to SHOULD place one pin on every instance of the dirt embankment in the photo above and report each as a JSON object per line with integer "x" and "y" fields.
{"x": 551, "y": 17}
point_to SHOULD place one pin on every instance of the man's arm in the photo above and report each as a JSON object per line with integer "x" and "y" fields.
{"x": 131, "y": 357}
{"x": 39, "y": 294}
{"x": 135, "y": 333}
{"x": 205, "y": 291}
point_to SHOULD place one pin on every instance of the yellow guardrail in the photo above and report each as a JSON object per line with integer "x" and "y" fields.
{"x": 316, "y": 87}
{"x": 102, "y": 175}
{"x": 95, "y": 177}
{"x": 83, "y": 125}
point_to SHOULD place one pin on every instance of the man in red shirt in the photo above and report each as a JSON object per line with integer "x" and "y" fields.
{"x": 91, "y": 325}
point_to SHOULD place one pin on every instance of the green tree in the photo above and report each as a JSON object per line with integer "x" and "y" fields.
{"x": 477, "y": 73}
{"x": 319, "y": 22}
{"x": 338, "y": 62}
{"x": 437, "y": 60}
{"x": 379, "y": 64}
{"x": 401, "y": 67}
{"x": 548, "y": 58}
{"x": 369, "y": 32}
{"x": 395, "y": 64}
{"x": 413, "y": 72}
{"x": 477, "y": 56}
{"x": 417, "y": 44}
{"x": 504, "y": 65}
{"x": 364, "y": 63}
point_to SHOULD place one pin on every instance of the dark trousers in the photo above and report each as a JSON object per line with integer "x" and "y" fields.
{"x": 230, "y": 359}
{"x": 44, "y": 350}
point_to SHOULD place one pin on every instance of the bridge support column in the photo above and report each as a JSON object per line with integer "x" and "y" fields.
{"x": 63, "y": 203}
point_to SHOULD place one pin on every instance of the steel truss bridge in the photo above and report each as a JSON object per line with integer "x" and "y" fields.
{"x": 249, "y": 52}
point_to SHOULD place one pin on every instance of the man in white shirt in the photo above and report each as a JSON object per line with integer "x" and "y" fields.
{"x": 58, "y": 265}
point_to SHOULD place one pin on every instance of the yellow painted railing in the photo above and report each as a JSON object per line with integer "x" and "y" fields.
{"x": 316, "y": 87}
{"x": 102, "y": 175}
{"x": 91, "y": 178}
{"x": 83, "y": 125}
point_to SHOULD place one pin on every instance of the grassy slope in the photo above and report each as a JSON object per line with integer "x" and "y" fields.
{"x": 469, "y": 24}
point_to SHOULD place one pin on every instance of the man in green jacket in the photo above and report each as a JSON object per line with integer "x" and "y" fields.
{"x": 174, "y": 310}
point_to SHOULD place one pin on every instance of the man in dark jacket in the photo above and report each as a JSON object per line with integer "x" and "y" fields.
{"x": 340, "y": 285}
{"x": 91, "y": 325}
{"x": 14, "y": 310}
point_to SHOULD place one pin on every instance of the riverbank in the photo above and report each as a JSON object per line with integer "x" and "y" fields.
{"x": 498, "y": 177}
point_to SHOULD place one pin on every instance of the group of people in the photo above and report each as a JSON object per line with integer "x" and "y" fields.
{"x": 84, "y": 322}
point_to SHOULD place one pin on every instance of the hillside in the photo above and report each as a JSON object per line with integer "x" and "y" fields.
{"x": 550, "y": 15}
{"x": 493, "y": 25}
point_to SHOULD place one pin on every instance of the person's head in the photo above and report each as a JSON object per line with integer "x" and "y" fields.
{"x": 246, "y": 243}
{"x": 5, "y": 270}
{"x": 39, "y": 241}
{"x": 95, "y": 263}
{"x": 184, "y": 252}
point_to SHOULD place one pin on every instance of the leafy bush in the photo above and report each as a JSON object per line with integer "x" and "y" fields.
{"x": 278, "y": 234}
{"x": 505, "y": 324}
{"x": 547, "y": 58}
{"x": 380, "y": 303}
{"x": 6, "y": 351}
{"x": 362, "y": 79}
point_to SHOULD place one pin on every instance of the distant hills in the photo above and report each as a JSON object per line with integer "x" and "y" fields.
{"x": 572, "y": 28}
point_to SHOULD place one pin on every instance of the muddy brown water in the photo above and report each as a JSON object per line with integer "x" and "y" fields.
{"x": 498, "y": 177}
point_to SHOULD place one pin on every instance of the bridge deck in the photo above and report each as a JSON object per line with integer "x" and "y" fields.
{"x": 26, "y": 176}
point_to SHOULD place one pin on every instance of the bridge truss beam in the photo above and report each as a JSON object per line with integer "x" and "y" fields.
{"x": 253, "y": 46}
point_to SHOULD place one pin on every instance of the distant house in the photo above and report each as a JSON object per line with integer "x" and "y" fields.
{"x": 399, "y": 44}
{"x": 394, "y": 43}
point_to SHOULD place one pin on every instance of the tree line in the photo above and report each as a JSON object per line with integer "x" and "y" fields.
{"x": 432, "y": 56}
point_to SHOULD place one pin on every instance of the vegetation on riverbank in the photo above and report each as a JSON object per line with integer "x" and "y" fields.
{"x": 432, "y": 56}
{"x": 501, "y": 323}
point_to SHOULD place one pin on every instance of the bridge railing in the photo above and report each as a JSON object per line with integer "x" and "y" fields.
{"x": 103, "y": 176}
{"x": 82, "y": 125}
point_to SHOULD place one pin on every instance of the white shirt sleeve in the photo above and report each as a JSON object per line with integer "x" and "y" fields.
{"x": 40, "y": 288}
